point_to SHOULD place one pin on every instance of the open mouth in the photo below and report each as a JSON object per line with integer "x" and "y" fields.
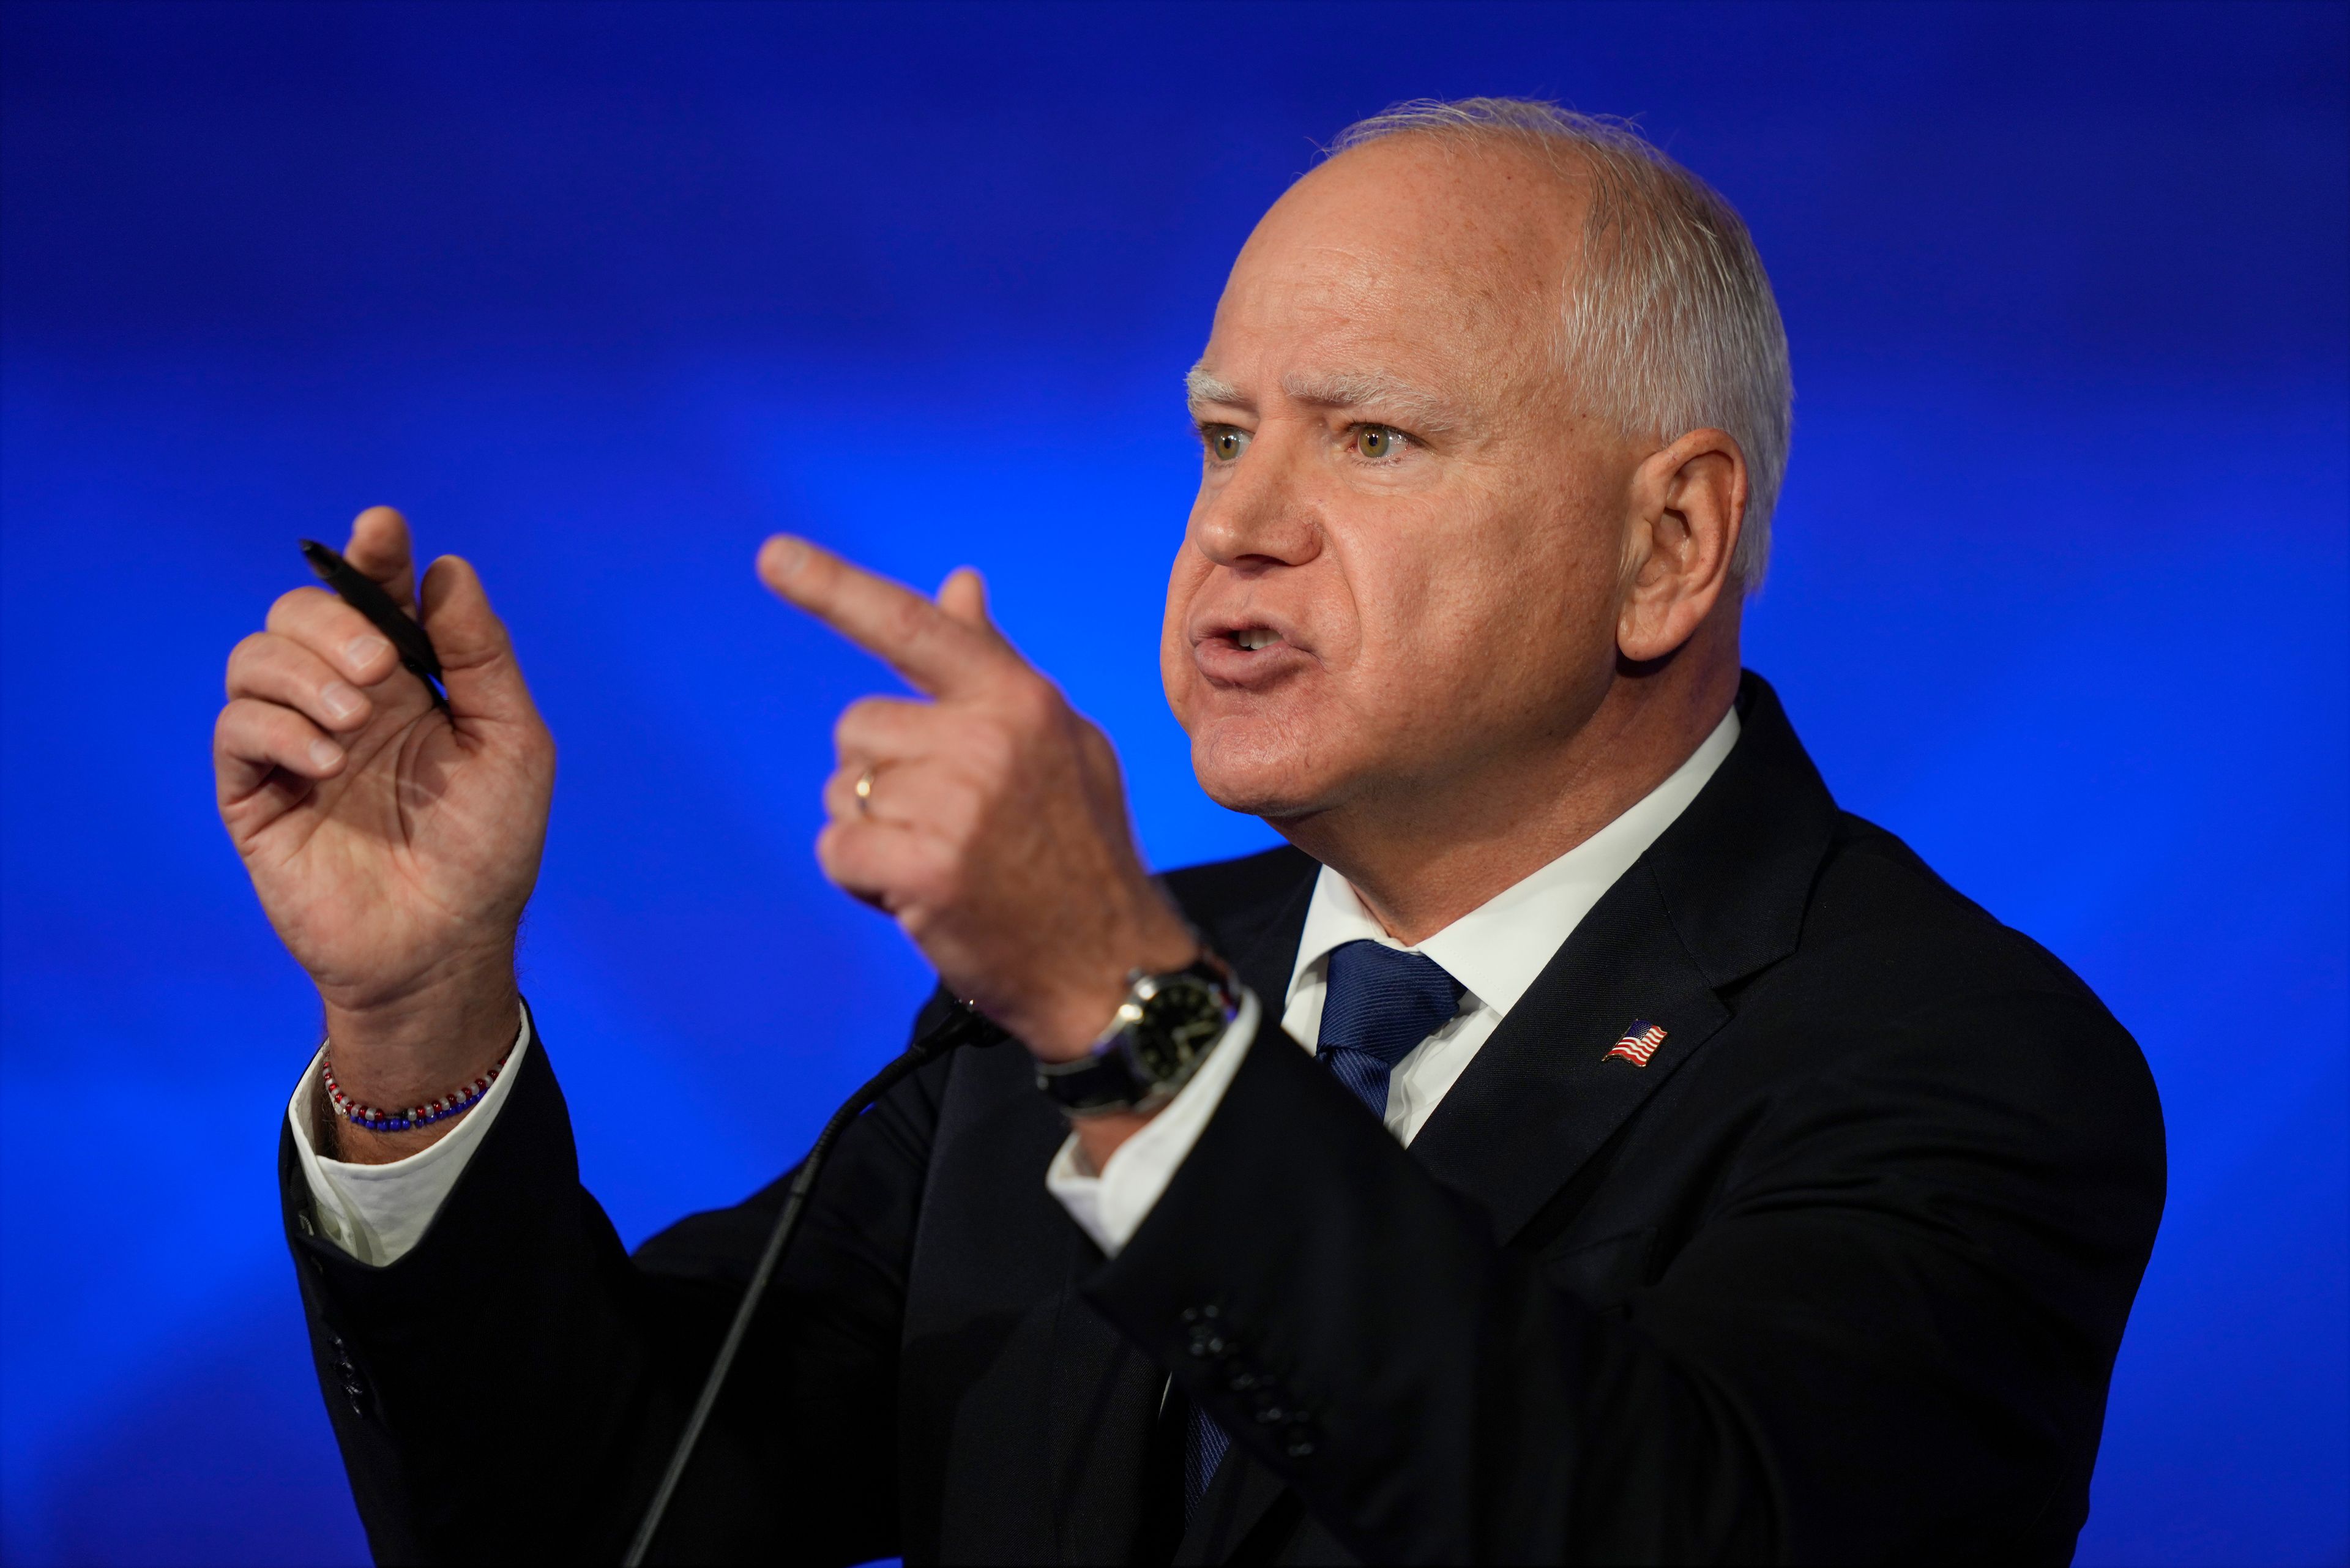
{"x": 1247, "y": 655}
{"x": 1248, "y": 646}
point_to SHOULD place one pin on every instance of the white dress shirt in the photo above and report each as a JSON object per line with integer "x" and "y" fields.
{"x": 378, "y": 1212}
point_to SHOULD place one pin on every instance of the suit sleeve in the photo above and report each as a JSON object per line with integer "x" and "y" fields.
{"x": 1888, "y": 1336}
{"x": 509, "y": 1389}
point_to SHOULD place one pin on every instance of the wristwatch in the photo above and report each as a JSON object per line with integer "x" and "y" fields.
{"x": 1157, "y": 1040}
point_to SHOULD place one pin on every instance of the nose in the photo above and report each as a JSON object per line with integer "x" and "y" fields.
{"x": 1264, "y": 514}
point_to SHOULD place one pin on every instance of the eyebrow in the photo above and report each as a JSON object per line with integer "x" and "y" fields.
{"x": 1201, "y": 389}
{"x": 1372, "y": 390}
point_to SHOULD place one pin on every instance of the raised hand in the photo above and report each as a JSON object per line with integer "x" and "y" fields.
{"x": 393, "y": 845}
{"x": 992, "y": 823}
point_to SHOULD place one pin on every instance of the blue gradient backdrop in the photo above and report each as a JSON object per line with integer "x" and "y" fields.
{"x": 602, "y": 295}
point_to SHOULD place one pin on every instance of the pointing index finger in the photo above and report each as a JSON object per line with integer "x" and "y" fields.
{"x": 937, "y": 653}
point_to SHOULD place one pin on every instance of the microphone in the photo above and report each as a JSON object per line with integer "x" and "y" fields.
{"x": 962, "y": 1025}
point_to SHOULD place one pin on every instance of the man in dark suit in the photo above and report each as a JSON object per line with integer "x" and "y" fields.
{"x": 1584, "y": 1143}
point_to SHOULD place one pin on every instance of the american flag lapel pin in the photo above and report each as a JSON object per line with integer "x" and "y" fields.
{"x": 1640, "y": 1043}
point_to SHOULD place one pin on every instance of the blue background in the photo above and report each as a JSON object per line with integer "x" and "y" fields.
{"x": 602, "y": 295}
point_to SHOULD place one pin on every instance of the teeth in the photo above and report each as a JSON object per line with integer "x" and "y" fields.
{"x": 1254, "y": 638}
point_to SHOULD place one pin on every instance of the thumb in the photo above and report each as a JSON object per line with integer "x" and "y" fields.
{"x": 963, "y": 595}
{"x": 477, "y": 661}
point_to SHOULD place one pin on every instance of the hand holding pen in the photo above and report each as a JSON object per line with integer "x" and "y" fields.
{"x": 384, "y": 612}
{"x": 393, "y": 834}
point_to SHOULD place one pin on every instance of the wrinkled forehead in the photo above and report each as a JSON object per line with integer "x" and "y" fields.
{"x": 1453, "y": 257}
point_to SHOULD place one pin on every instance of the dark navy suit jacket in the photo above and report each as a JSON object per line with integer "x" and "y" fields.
{"x": 1838, "y": 1275}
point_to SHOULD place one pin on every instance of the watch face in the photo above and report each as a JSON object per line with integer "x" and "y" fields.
{"x": 1181, "y": 1019}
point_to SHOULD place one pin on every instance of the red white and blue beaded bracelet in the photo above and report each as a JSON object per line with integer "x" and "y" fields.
{"x": 456, "y": 1101}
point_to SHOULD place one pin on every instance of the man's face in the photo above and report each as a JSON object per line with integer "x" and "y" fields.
{"x": 1403, "y": 566}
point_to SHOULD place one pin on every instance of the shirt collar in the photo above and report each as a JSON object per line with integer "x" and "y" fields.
{"x": 1498, "y": 948}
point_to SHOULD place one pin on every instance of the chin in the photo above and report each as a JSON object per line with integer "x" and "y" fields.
{"x": 1243, "y": 769}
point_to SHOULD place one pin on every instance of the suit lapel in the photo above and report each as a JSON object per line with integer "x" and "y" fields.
{"x": 1544, "y": 1093}
{"x": 1718, "y": 896}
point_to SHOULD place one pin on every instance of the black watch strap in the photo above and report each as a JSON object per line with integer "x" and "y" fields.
{"x": 1092, "y": 1085}
{"x": 1117, "y": 1074}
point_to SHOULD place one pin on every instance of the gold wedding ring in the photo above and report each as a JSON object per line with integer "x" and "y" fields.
{"x": 865, "y": 791}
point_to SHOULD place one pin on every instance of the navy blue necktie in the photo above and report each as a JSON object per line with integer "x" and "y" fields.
{"x": 1378, "y": 1003}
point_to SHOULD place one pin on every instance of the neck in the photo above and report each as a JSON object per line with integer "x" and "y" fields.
{"x": 1421, "y": 859}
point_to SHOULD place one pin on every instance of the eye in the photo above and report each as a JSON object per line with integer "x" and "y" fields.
{"x": 1225, "y": 442}
{"x": 1376, "y": 441}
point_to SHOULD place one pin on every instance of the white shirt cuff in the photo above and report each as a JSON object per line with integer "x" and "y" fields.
{"x": 377, "y": 1214}
{"x": 1112, "y": 1206}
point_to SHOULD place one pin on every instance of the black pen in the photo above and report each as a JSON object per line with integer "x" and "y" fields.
{"x": 363, "y": 594}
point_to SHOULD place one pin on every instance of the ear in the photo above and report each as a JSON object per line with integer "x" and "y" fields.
{"x": 1687, "y": 504}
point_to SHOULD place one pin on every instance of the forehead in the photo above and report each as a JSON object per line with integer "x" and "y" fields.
{"x": 1425, "y": 254}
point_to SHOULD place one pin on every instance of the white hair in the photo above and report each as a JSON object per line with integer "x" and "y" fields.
{"x": 1670, "y": 325}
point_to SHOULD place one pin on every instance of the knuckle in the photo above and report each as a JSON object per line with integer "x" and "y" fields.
{"x": 293, "y": 607}
{"x": 1032, "y": 701}
{"x": 830, "y": 849}
{"x": 858, "y": 721}
{"x": 248, "y": 657}
{"x": 248, "y": 724}
{"x": 907, "y": 619}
